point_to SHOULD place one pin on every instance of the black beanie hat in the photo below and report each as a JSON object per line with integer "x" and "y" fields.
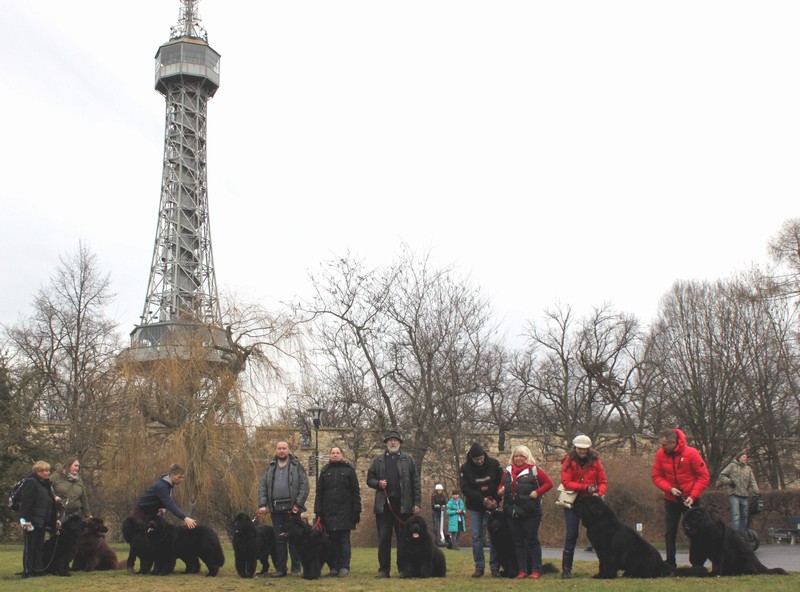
{"x": 475, "y": 451}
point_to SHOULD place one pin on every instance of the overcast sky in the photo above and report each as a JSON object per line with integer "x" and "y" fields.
{"x": 580, "y": 152}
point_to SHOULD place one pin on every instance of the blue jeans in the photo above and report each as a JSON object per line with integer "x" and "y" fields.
{"x": 477, "y": 525}
{"x": 525, "y": 533}
{"x": 740, "y": 508}
{"x": 573, "y": 524}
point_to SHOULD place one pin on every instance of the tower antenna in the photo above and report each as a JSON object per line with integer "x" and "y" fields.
{"x": 189, "y": 22}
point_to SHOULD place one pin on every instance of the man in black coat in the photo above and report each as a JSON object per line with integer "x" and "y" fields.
{"x": 398, "y": 495}
{"x": 480, "y": 478}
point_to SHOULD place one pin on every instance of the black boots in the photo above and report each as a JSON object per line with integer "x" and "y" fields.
{"x": 566, "y": 564}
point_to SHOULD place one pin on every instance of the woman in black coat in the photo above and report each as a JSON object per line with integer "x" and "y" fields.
{"x": 37, "y": 511}
{"x": 338, "y": 505}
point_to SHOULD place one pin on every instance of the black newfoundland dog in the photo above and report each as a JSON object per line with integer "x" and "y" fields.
{"x": 169, "y": 543}
{"x": 619, "y": 547}
{"x": 503, "y": 544}
{"x": 252, "y": 543}
{"x": 135, "y": 534}
{"x": 421, "y": 557}
{"x": 312, "y": 545}
{"x": 93, "y": 551}
{"x": 59, "y": 549}
{"x": 730, "y": 554}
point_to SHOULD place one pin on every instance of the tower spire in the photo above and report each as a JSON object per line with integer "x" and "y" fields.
{"x": 182, "y": 303}
{"x": 189, "y": 22}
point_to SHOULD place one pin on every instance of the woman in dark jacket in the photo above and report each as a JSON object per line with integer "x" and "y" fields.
{"x": 581, "y": 471}
{"x": 37, "y": 512}
{"x": 522, "y": 489}
{"x": 338, "y": 505}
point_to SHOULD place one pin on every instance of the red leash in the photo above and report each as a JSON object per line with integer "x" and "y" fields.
{"x": 391, "y": 509}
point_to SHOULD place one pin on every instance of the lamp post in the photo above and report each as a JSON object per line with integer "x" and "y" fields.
{"x": 316, "y": 413}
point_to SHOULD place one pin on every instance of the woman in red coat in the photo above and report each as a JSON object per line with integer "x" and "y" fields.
{"x": 581, "y": 471}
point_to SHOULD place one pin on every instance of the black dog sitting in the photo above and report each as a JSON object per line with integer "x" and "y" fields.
{"x": 252, "y": 543}
{"x": 60, "y": 548}
{"x": 730, "y": 554}
{"x": 619, "y": 547}
{"x": 312, "y": 545}
{"x": 503, "y": 544}
{"x": 421, "y": 557}
{"x": 500, "y": 538}
{"x": 190, "y": 545}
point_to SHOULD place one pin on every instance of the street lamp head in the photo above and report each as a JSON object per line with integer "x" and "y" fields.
{"x": 316, "y": 415}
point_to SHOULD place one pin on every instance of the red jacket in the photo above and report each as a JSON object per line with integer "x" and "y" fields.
{"x": 684, "y": 469}
{"x": 575, "y": 477}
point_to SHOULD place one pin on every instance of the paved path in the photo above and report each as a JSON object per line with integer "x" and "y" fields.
{"x": 785, "y": 556}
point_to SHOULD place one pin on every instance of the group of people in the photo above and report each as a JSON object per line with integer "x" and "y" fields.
{"x": 679, "y": 471}
{"x": 45, "y": 503}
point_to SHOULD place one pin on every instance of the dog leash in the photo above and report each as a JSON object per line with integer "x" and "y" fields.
{"x": 318, "y": 525}
{"x": 391, "y": 509}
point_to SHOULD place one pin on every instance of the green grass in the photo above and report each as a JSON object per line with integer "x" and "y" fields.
{"x": 363, "y": 567}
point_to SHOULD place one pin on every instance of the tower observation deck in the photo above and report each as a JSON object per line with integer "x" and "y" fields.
{"x": 181, "y": 309}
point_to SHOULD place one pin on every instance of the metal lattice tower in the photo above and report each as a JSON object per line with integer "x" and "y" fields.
{"x": 182, "y": 302}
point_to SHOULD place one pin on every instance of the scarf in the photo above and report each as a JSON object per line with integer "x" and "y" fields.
{"x": 515, "y": 472}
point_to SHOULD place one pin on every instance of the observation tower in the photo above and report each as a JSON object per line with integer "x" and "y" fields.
{"x": 181, "y": 315}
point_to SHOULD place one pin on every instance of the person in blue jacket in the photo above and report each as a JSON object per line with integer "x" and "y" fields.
{"x": 158, "y": 498}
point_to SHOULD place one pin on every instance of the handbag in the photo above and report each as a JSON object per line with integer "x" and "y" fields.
{"x": 565, "y": 497}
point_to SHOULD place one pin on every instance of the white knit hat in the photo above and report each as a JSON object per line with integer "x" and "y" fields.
{"x": 439, "y": 486}
{"x": 582, "y": 442}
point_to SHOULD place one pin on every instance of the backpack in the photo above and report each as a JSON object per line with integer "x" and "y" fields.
{"x": 15, "y": 495}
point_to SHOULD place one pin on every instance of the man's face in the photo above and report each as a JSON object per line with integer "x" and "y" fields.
{"x": 176, "y": 479}
{"x": 668, "y": 445}
{"x": 336, "y": 455}
{"x": 282, "y": 450}
{"x": 478, "y": 460}
{"x": 393, "y": 445}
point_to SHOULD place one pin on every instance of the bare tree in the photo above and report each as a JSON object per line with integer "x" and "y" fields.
{"x": 403, "y": 344}
{"x": 66, "y": 348}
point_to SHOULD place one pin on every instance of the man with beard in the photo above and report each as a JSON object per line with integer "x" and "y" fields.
{"x": 282, "y": 492}
{"x": 680, "y": 472}
{"x": 398, "y": 495}
{"x": 480, "y": 477}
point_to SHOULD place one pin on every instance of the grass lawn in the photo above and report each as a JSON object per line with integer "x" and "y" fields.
{"x": 363, "y": 567}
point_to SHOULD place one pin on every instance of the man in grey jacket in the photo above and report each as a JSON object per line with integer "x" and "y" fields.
{"x": 398, "y": 495}
{"x": 739, "y": 477}
{"x": 282, "y": 492}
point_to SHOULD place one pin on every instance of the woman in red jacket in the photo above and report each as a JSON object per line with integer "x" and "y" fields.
{"x": 581, "y": 471}
{"x": 680, "y": 472}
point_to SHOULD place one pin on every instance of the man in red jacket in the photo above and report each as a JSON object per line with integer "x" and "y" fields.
{"x": 680, "y": 472}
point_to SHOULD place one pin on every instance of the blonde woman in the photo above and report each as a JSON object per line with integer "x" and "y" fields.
{"x": 522, "y": 488}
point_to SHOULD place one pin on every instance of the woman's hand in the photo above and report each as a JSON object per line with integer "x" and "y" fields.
{"x": 534, "y": 495}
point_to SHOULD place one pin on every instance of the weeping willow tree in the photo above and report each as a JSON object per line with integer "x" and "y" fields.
{"x": 187, "y": 405}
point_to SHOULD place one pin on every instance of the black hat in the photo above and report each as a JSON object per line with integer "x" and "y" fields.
{"x": 392, "y": 434}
